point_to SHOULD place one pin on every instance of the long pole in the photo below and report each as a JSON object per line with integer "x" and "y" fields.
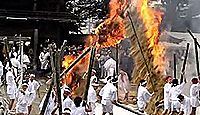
{"x": 128, "y": 109}
{"x": 89, "y": 72}
{"x": 141, "y": 51}
{"x": 175, "y": 66}
{"x": 196, "y": 50}
{"x": 184, "y": 62}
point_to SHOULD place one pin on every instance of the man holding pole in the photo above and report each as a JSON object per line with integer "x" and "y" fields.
{"x": 108, "y": 96}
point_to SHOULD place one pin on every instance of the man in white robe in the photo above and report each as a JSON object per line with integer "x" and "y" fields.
{"x": 173, "y": 93}
{"x": 22, "y": 100}
{"x": 194, "y": 95}
{"x": 92, "y": 97}
{"x": 33, "y": 88}
{"x": 110, "y": 66}
{"x": 108, "y": 96}
{"x": 43, "y": 57}
{"x": 143, "y": 96}
{"x": 186, "y": 107}
{"x": 11, "y": 87}
{"x": 167, "y": 88}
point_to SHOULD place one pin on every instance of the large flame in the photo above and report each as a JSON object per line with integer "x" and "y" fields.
{"x": 111, "y": 31}
{"x": 152, "y": 20}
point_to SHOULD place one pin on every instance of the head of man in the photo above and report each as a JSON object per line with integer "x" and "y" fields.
{"x": 93, "y": 72}
{"x": 67, "y": 111}
{"x": 169, "y": 79}
{"x": 194, "y": 80}
{"x": 143, "y": 83}
{"x": 32, "y": 77}
{"x": 174, "y": 82}
{"x": 24, "y": 86}
{"x": 77, "y": 101}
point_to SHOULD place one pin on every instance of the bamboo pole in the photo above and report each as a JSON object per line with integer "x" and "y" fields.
{"x": 75, "y": 62}
{"x": 196, "y": 50}
{"x": 175, "y": 66}
{"x": 184, "y": 62}
{"x": 92, "y": 56}
{"x": 128, "y": 109}
{"x": 141, "y": 51}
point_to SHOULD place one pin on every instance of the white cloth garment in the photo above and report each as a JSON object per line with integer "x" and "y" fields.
{"x": 43, "y": 60}
{"x": 51, "y": 104}
{"x": 78, "y": 111}
{"x": 22, "y": 100}
{"x": 32, "y": 88}
{"x": 109, "y": 94}
{"x": 67, "y": 103}
{"x": 194, "y": 95}
{"x": 173, "y": 93}
{"x": 167, "y": 88}
{"x": 110, "y": 66}
{"x": 92, "y": 98}
{"x": 11, "y": 85}
{"x": 143, "y": 97}
{"x": 186, "y": 106}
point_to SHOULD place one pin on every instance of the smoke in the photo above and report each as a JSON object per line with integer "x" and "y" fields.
{"x": 194, "y": 13}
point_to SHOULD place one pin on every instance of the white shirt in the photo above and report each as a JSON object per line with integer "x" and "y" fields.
{"x": 15, "y": 63}
{"x": 33, "y": 86}
{"x": 67, "y": 103}
{"x": 186, "y": 106}
{"x": 143, "y": 94}
{"x": 167, "y": 88}
{"x": 92, "y": 96}
{"x": 175, "y": 91}
{"x": 78, "y": 111}
{"x": 194, "y": 95}
{"x": 10, "y": 79}
{"x": 22, "y": 100}
{"x": 51, "y": 104}
{"x": 108, "y": 93}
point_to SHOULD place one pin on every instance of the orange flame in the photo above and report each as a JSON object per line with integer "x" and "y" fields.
{"x": 112, "y": 30}
{"x": 152, "y": 20}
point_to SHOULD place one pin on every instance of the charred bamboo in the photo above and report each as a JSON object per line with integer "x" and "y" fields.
{"x": 175, "y": 66}
{"x": 184, "y": 62}
{"x": 193, "y": 37}
{"x": 128, "y": 109}
{"x": 92, "y": 56}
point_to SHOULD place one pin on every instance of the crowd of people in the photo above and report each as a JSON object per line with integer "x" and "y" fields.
{"x": 174, "y": 102}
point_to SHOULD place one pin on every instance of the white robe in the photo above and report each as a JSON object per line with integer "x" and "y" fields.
{"x": 92, "y": 98}
{"x": 11, "y": 85}
{"x": 67, "y": 103}
{"x": 22, "y": 101}
{"x": 194, "y": 95}
{"x": 143, "y": 97}
{"x": 43, "y": 60}
{"x": 167, "y": 88}
{"x": 173, "y": 93}
{"x": 78, "y": 111}
{"x": 32, "y": 88}
{"x": 186, "y": 106}
{"x": 51, "y": 104}
{"x": 110, "y": 66}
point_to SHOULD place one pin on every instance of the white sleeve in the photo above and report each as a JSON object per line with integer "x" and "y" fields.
{"x": 180, "y": 87}
{"x": 101, "y": 91}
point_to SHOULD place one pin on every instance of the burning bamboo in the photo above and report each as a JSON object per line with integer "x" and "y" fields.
{"x": 141, "y": 51}
{"x": 196, "y": 51}
{"x": 175, "y": 66}
{"x": 184, "y": 62}
{"x": 92, "y": 56}
{"x": 75, "y": 61}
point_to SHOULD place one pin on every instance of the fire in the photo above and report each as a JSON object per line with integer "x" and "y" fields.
{"x": 112, "y": 30}
{"x": 152, "y": 20}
